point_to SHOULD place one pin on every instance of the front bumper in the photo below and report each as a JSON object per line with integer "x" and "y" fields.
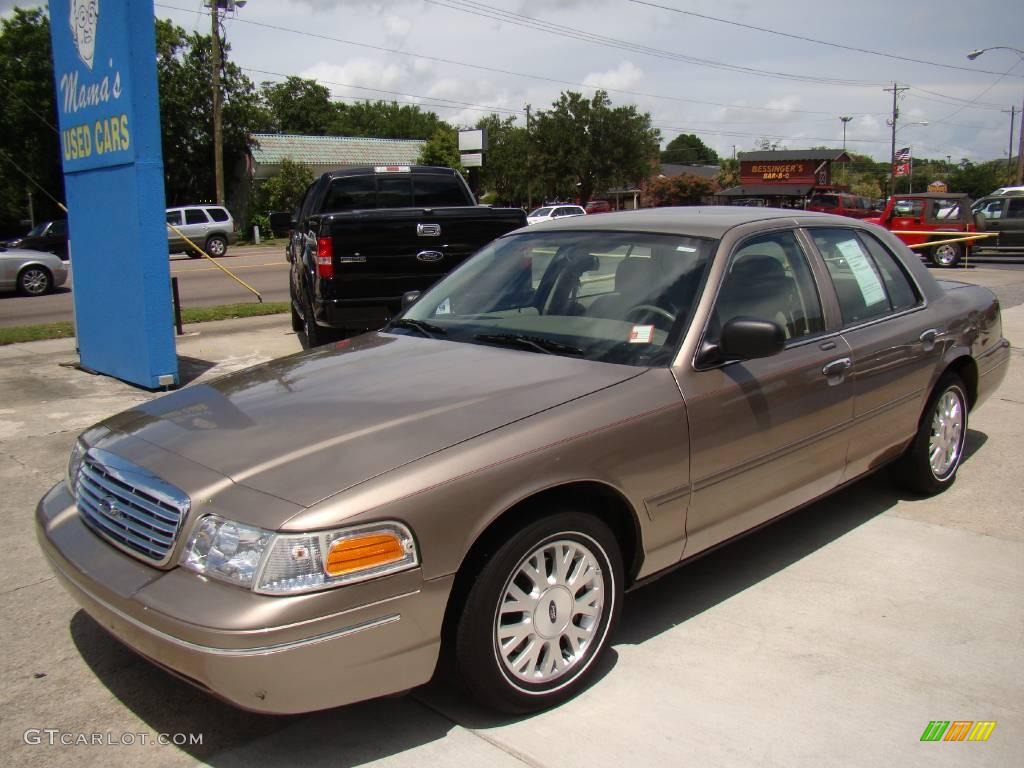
{"x": 354, "y": 643}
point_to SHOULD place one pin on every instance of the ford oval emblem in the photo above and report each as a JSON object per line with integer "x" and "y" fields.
{"x": 552, "y": 612}
{"x": 108, "y": 507}
{"x": 429, "y": 256}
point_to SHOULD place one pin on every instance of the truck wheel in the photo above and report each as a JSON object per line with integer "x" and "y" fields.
{"x": 930, "y": 463}
{"x": 216, "y": 246}
{"x": 296, "y": 318}
{"x": 947, "y": 254}
{"x": 540, "y": 612}
{"x": 315, "y": 335}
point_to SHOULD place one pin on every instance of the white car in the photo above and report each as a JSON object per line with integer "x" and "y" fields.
{"x": 549, "y": 212}
{"x": 31, "y": 273}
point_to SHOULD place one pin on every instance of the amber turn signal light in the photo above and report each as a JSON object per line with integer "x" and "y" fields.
{"x": 361, "y": 552}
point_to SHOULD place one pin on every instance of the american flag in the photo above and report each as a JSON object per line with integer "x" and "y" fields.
{"x": 902, "y": 155}
{"x": 901, "y": 162}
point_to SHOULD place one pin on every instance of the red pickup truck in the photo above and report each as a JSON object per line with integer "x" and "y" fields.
{"x": 927, "y": 217}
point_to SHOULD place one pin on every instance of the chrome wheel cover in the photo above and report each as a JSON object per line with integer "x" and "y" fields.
{"x": 216, "y": 247}
{"x": 946, "y": 441}
{"x": 35, "y": 281}
{"x": 550, "y": 612}
{"x": 946, "y": 254}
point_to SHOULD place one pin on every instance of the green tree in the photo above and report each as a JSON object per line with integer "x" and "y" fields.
{"x": 442, "y": 148}
{"x": 728, "y": 173}
{"x": 978, "y": 180}
{"x": 684, "y": 189}
{"x": 688, "y": 148}
{"x": 506, "y": 169}
{"x": 29, "y": 139}
{"x": 299, "y": 106}
{"x": 386, "y": 121}
{"x": 186, "y": 119}
{"x": 583, "y": 146}
{"x": 284, "y": 190}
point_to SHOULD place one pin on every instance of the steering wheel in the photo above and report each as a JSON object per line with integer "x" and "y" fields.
{"x": 643, "y": 310}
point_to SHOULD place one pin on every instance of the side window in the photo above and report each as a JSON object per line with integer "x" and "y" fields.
{"x": 303, "y": 211}
{"x": 908, "y": 208}
{"x": 174, "y": 217}
{"x": 195, "y": 216}
{"x": 394, "y": 191}
{"x": 769, "y": 278}
{"x": 944, "y": 210}
{"x": 1015, "y": 208}
{"x": 902, "y": 294}
{"x": 349, "y": 193}
{"x": 859, "y": 283}
{"x": 59, "y": 228}
{"x": 433, "y": 191}
{"x": 217, "y": 214}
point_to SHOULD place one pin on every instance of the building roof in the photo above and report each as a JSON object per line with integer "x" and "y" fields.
{"x": 333, "y": 151}
{"x": 835, "y": 155}
{"x": 671, "y": 170}
{"x": 767, "y": 190}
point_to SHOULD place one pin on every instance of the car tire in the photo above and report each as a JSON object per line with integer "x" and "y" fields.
{"x": 314, "y": 334}
{"x": 216, "y": 246}
{"x": 930, "y": 464}
{"x": 570, "y": 611}
{"x": 947, "y": 254}
{"x": 296, "y": 317}
{"x": 34, "y": 281}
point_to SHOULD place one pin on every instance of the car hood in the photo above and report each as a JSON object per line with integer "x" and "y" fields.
{"x": 308, "y": 426}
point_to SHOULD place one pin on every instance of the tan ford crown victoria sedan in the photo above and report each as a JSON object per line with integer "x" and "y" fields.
{"x": 575, "y": 409}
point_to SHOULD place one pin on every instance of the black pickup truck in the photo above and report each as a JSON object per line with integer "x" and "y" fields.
{"x": 363, "y": 237}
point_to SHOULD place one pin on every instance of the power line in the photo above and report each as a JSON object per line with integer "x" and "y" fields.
{"x": 488, "y": 12}
{"x": 792, "y": 36}
{"x": 482, "y": 67}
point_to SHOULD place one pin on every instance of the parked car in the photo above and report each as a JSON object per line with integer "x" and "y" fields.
{"x": 597, "y": 206}
{"x": 1002, "y": 215}
{"x": 842, "y": 204}
{"x": 574, "y": 410}
{"x": 923, "y": 217}
{"x": 1009, "y": 191}
{"x": 549, "y": 212}
{"x": 211, "y": 227}
{"x": 364, "y": 236}
{"x": 49, "y": 236}
{"x": 31, "y": 273}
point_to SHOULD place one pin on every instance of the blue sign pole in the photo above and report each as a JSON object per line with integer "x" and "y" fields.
{"x": 104, "y": 61}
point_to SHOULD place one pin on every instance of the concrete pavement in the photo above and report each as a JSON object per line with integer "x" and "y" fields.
{"x": 830, "y": 638}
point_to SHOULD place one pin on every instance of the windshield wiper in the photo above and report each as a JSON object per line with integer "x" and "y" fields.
{"x": 427, "y": 329}
{"x": 536, "y": 343}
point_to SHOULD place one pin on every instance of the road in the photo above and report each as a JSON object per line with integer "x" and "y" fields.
{"x": 200, "y": 284}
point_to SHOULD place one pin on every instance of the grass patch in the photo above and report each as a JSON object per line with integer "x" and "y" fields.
{"x": 21, "y": 333}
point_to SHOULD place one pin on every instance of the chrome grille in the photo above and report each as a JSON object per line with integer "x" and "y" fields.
{"x": 129, "y": 506}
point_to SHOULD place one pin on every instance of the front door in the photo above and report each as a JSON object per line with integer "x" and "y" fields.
{"x": 766, "y": 435}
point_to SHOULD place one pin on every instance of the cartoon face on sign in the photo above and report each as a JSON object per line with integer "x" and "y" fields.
{"x": 84, "y": 14}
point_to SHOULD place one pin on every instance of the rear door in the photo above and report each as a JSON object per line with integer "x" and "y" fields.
{"x": 1011, "y": 234}
{"x": 174, "y": 240}
{"x": 196, "y": 225}
{"x": 893, "y": 345}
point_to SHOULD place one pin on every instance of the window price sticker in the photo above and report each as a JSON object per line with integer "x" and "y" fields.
{"x": 641, "y": 334}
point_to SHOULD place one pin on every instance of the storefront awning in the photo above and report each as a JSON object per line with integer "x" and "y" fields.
{"x": 767, "y": 190}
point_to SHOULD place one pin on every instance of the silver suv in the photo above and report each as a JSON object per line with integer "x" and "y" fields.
{"x": 208, "y": 226}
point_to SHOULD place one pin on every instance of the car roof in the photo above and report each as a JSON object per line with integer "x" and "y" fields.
{"x": 931, "y": 195}
{"x": 698, "y": 221}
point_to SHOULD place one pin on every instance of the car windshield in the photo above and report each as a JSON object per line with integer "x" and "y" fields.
{"x": 616, "y": 297}
{"x": 541, "y": 212}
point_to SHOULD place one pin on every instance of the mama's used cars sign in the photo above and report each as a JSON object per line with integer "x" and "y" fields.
{"x": 104, "y": 58}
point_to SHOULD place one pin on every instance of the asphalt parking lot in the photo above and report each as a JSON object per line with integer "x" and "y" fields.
{"x": 832, "y": 637}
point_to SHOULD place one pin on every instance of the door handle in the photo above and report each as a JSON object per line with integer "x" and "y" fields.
{"x": 928, "y": 339}
{"x": 837, "y": 367}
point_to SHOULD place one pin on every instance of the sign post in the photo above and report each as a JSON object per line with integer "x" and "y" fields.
{"x": 104, "y": 55}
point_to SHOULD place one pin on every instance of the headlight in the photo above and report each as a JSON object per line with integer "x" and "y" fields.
{"x": 75, "y": 464}
{"x": 285, "y": 564}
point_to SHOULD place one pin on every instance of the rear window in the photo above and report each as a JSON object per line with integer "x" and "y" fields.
{"x": 394, "y": 191}
{"x": 218, "y": 214}
{"x": 825, "y": 201}
{"x": 434, "y": 191}
{"x": 174, "y": 217}
{"x": 351, "y": 193}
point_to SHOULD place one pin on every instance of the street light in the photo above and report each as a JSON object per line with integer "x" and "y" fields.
{"x": 1020, "y": 148}
{"x": 846, "y": 171}
{"x": 216, "y": 6}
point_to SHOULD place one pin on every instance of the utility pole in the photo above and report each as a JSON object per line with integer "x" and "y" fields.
{"x": 1009, "y": 154}
{"x": 218, "y": 136}
{"x": 896, "y": 91}
{"x": 529, "y": 165}
{"x": 846, "y": 166}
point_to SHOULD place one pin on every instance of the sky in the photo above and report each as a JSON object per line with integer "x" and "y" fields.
{"x": 716, "y": 77}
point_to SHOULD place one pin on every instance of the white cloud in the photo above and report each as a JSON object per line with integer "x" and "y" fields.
{"x": 366, "y": 73}
{"x": 623, "y": 78}
{"x": 397, "y": 26}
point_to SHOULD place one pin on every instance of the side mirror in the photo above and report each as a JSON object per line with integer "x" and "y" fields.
{"x": 280, "y": 223}
{"x": 409, "y": 298}
{"x": 980, "y": 221}
{"x": 749, "y": 338}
